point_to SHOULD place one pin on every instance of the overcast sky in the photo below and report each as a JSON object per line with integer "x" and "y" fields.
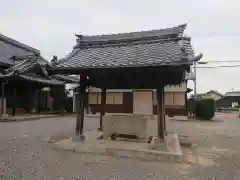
{"x": 50, "y": 26}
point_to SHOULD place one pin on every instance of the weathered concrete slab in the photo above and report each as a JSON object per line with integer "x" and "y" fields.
{"x": 116, "y": 148}
{"x": 128, "y": 124}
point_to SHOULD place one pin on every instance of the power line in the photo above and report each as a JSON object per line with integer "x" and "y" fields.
{"x": 217, "y": 66}
{"x": 221, "y": 61}
{"x": 211, "y": 35}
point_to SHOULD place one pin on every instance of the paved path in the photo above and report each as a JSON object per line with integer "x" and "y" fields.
{"x": 26, "y": 154}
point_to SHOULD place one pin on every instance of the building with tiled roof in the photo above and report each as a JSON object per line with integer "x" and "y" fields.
{"x": 154, "y": 48}
{"x": 23, "y": 68}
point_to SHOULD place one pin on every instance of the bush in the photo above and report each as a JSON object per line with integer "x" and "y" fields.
{"x": 205, "y": 109}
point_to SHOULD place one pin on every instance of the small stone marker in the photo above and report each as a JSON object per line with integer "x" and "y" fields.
{"x": 172, "y": 143}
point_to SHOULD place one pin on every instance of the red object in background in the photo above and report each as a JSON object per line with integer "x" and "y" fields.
{"x": 50, "y": 99}
{"x": 227, "y": 115}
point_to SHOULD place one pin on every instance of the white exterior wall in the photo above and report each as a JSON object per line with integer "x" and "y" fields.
{"x": 173, "y": 88}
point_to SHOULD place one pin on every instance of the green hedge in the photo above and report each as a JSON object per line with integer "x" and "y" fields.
{"x": 205, "y": 109}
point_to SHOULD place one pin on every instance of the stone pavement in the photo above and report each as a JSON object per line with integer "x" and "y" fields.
{"x": 26, "y": 154}
{"x": 141, "y": 150}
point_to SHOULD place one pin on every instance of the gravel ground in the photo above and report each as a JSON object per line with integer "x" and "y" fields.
{"x": 25, "y": 153}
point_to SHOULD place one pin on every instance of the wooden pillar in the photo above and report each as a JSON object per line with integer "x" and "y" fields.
{"x": 82, "y": 98}
{"x": 161, "y": 113}
{"x": 38, "y": 97}
{"x": 103, "y": 104}
{"x": 80, "y": 110}
{"x": 62, "y": 101}
{"x": 14, "y": 101}
{"x": 86, "y": 102}
{"x": 186, "y": 102}
{"x": 78, "y": 113}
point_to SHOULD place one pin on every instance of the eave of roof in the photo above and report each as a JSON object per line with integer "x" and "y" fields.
{"x": 42, "y": 80}
{"x": 66, "y": 79}
{"x": 34, "y": 78}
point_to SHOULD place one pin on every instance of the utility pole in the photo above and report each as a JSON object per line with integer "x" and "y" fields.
{"x": 195, "y": 76}
{"x": 195, "y": 79}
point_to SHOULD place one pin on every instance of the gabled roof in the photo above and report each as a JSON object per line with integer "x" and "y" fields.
{"x": 215, "y": 92}
{"x": 137, "y": 49}
{"x": 10, "y": 47}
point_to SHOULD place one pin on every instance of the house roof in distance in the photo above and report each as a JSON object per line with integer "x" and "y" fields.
{"x": 135, "y": 49}
{"x": 215, "y": 92}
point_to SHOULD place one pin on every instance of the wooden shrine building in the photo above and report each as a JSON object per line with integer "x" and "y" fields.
{"x": 23, "y": 75}
{"x": 136, "y": 60}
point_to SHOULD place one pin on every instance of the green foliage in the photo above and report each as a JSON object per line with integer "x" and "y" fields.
{"x": 205, "y": 109}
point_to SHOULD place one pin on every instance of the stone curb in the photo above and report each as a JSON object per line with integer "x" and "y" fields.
{"x": 37, "y": 118}
{"x": 30, "y": 118}
{"x": 144, "y": 154}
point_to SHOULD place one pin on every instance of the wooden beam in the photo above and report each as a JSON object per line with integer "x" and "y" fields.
{"x": 161, "y": 113}
{"x": 103, "y": 104}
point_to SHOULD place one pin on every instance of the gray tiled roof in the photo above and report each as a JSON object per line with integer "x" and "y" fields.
{"x": 27, "y": 68}
{"x": 146, "y": 48}
{"x": 67, "y": 79}
{"x": 10, "y": 47}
